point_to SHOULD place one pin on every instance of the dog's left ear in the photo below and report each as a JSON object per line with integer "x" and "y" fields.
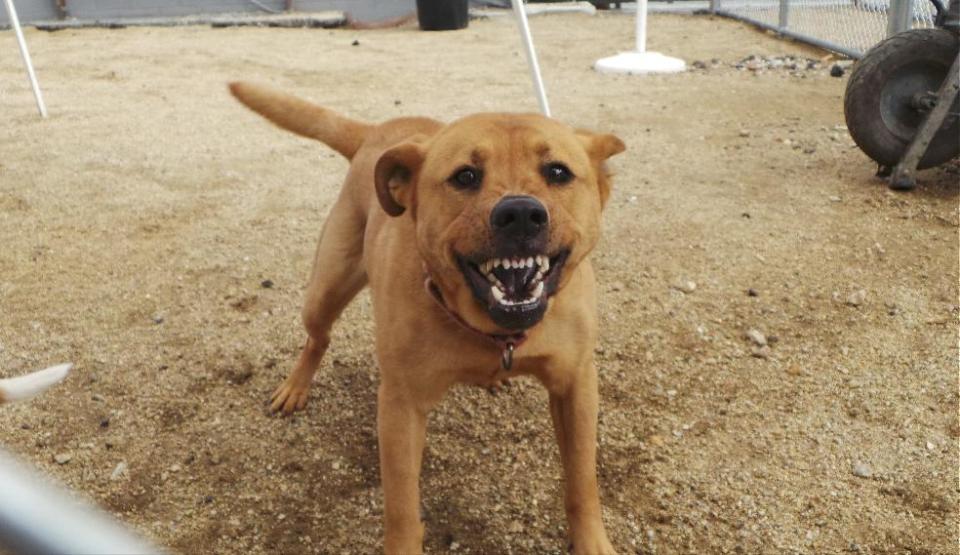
{"x": 396, "y": 172}
{"x": 600, "y": 147}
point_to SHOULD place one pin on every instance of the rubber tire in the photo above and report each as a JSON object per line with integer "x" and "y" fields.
{"x": 862, "y": 100}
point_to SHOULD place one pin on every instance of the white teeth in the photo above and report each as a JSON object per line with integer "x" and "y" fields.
{"x": 530, "y": 262}
{"x": 545, "y": 265}
{"x": 497, "y": 293}
{"x": 538, "y": 291}
{"x": 538, "y": 276}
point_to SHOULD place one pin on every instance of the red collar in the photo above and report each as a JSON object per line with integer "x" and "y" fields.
{"x": 507, "y": 343}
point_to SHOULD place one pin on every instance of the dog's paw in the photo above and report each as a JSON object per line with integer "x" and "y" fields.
{"x": 289, "y": 397}
{"x": 498, "y": 386}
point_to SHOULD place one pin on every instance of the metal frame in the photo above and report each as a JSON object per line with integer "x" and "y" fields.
{"x": 899, "y": 18}
{"x": 904, "y": 174}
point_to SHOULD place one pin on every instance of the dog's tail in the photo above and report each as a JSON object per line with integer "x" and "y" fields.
{"x": 24, "y": 387}
{"x": 303, "y": 118}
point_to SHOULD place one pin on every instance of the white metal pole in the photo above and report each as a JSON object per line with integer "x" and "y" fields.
{"x": 25, "y": 54}
{"x": 521, "y": 14}
{"x": 641, "y": 26}
{"x": 640, "y": 62}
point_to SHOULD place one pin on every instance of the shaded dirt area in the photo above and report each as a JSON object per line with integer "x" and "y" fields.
{"x": 139, "y": 223}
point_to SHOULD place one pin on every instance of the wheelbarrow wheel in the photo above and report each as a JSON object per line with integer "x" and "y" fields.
{"x": 887, "y": 90}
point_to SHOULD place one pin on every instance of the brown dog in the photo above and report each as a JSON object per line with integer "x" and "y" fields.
{"x": 473, "y": 238}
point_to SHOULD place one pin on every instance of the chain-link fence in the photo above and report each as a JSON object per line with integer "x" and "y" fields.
{"x": 850, "y": 27}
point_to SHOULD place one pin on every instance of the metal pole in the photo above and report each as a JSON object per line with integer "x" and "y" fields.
{"x": 521, "y": 15}
{"x": 904, "y": 174}
{"x": 15, "y": 23}
{"x": 784, "y": 14}
{"x": 899, "y": 16}
{"x": 642, "y": 26}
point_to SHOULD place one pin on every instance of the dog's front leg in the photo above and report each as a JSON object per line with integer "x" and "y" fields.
{"x": 574, "y": 412}
{"x": 401, "y": 431}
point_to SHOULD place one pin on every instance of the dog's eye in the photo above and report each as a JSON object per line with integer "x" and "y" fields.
{"x": 467, "y": 178}
{"x": 556, "y": 173}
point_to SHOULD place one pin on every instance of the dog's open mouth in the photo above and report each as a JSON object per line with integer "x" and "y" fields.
{"x": 515, "y": 289}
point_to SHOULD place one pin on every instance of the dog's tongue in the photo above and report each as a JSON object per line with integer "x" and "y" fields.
{"x": 515, "y": 280}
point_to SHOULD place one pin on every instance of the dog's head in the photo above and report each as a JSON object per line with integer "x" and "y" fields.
{"x": 505, "y": 207}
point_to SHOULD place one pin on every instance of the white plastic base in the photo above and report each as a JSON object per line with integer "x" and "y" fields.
{"x": 639, "y": 63}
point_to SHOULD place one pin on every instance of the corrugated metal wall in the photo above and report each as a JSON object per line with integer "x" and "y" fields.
{"x": 39, "y": 10}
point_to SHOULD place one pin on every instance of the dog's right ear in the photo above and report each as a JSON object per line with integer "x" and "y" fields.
{"x": 396, "y": 173}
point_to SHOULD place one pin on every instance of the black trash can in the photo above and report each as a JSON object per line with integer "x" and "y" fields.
{"x": 442, "y": 15}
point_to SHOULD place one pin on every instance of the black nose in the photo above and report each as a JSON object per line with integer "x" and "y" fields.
{"x": 522, "y": 216}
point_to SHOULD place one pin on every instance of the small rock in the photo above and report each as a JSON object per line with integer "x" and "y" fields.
{"x": 794, "y": 370}
{"x": 105, "y": 422}
{"x": 930, "y": 446}
{"x": 97, "y": 397}
{"x": 616, "y": 286}
{"x": 757, "y": 337}
{"x": 26, "y": 426}
{"x": 63, "y": 458}
{"x": 760, "y": 352}
{"x": 656, "y": 440}
{"x": 836, "y": 71}
{"x": 267, "y": 284}
{"x": 744, "y": 133}
{"x": 336, "y": 465}
{"x": 699, "y": 65}
{"x": 857, "y": 298}
{"x": 157, "y": 318}
{"x": 515, "y": 527}
{"x": 120, "y": 471}
{"x": 686, "y": 286}
{"x": 355, "y": 43}
{"x": 862, "y": 470}
{"x": 835, "y": 198}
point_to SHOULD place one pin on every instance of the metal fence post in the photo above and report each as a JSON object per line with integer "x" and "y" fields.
{"x": 784, "y": 14}
{"x": 899, "y": 17}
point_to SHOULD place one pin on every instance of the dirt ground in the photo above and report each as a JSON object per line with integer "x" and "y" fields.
{"x": 140, "y": 223}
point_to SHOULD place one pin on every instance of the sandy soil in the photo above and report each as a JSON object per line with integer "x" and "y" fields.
{"x": 139, "y": 223}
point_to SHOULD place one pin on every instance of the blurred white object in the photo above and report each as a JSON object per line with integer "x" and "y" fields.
{"x": 640, "y": 62}
{"x": 29, "y": 385}
{"x": 38, "y": 519}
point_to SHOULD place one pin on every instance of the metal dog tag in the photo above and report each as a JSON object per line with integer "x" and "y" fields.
{"x": 506, "y": 357}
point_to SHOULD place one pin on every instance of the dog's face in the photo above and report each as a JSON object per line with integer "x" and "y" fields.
{"x": 505, "y": 206}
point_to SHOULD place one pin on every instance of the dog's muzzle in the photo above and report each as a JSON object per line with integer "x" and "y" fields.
{"x": 514, "y": 285}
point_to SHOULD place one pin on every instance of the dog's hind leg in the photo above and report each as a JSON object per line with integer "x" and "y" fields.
{"x": 338, "y": 275}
